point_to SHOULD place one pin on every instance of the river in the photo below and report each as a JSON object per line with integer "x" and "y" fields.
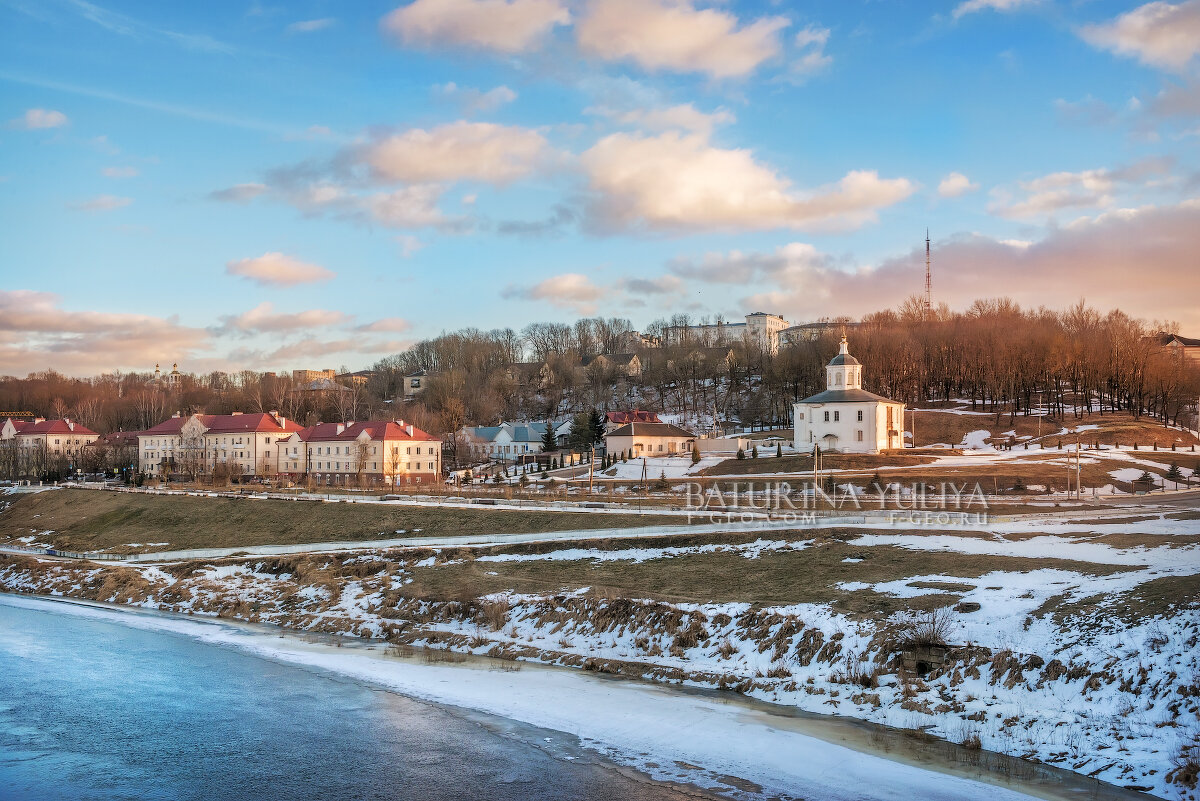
{"x": 91, "y": 709}
{"x": 99, "y": 702}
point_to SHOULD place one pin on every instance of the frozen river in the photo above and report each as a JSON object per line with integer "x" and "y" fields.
{"x": 91, "y": 709}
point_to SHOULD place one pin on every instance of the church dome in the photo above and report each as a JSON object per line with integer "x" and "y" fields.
{"x": 843, "y": 358}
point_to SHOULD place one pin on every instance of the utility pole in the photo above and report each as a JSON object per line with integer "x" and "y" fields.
{"x": 1078, "y": 472}
{"x": 591, "y": 468}
{"x": 816, "y": 470}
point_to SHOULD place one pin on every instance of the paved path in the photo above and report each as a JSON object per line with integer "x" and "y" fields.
{"x": 493, "y": 539}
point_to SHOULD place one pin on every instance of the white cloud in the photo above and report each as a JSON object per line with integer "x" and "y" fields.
{"x": 310, "y": 25}
{"x": 473, "y": 100}
{"x": 506, "y": 26}
{"x": 263, "y": 318}
{"x": 1160, "y": 34}
{"x": 409, "y": 245}
{"x": 811, "y": 42}
{"x": 120, "y": 172}
{"x": 39, "y": 118}
{"x": 408, "y": 207}
{"x": 1073, "y": 190}
{"x": 569, "y": 291}
{"x": 956, "y": 184}
{"x": 238, "y": 193}
{"x": 478, "y": 151}
{"x": 675, "y": 181}
{"x": 276, "y": 269}
{"x": 674, "y": 35}
{"x": 972, "y": 6}
{"x": 682, "y": 117}
{"x": 102, "y": 203}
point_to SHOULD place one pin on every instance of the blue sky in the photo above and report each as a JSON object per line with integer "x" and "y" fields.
{"x": 251, "y": 185}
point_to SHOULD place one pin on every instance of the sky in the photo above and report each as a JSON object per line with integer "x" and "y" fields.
{"x": 277, "y": 186}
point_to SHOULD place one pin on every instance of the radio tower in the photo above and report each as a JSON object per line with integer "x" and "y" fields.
{"x": 928, "y": 280}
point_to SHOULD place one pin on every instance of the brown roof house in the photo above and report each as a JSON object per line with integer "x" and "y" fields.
{"x": 649, "y": 439}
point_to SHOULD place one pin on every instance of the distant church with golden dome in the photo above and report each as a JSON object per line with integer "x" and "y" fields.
{"x": 169, "y": 381}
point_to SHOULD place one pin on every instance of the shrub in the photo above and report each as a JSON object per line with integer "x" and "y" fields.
{"x": 931, "y": 628}
{"x": 754, "y": 452}
{"x": 741, "y": 454}
{"x": 695, "y": 453}
{"x": 778, "y": 450}
{"x": 1187, "y": 762}
{"x": 494, "y": 613}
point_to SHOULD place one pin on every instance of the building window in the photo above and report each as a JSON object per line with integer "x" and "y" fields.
{"x": 801, "y": 415}
{"x": 859, "y": 435}
{"x": 860, "y": 416}
{"x": 837, "y": 416}
{"x": 826, "y": 417}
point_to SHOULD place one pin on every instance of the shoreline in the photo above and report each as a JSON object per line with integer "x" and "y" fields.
{"x": 726, "y": 735}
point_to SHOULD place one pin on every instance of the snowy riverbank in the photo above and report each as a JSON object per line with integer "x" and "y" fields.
{"x": 670, "y": 735}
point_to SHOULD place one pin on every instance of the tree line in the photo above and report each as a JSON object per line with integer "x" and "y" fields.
{"x": 993, "y": 355}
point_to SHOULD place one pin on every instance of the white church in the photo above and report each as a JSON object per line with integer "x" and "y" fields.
{"x": 845, "y": 417}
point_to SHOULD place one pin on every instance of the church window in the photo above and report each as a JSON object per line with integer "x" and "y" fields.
{"x": 860, "y": 415}
{"x": 859, "y": 435}
{"x": 837, "y": 416}
{"x": 826, "y": 417}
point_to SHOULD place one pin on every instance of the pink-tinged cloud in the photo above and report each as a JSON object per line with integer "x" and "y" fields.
{"x": 567, "y": 291}
{"x": 276, "y": 269}
{"x": 1139, "y": 260}
{"x": 394, "y": 325}
{"x": 674, "y": 35}
{"x": 37, "y": 334}
{"x": 263, "y": 318}
{"x": 677, "y": 182}
{"x": 504, "y": 26}
{"x": 1160, "y": 34}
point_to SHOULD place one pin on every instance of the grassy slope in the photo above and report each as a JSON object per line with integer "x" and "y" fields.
{"x": 784, "y": 577}
{"x": 91, "y": 520}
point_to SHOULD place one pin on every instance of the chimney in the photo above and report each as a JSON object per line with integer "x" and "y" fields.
{"x": 341, "y": 427}
{"x": 409, "y": 429}
{"x": 234, "y": 414}
{"x": 39, "y": 419}
{"x": 70, "y": 425}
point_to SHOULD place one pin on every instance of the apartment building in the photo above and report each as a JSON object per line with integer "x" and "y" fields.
{"x": 241, "y": 444}
{"x": 369, "y": 453}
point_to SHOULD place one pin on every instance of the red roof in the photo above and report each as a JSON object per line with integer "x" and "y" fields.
{"x": 636, "y": 416}
{"x": 379, "y": 430}
{"x": 119, "y": 437}
{"x": 53, "y": 427}
{"x": 226, "y": 424}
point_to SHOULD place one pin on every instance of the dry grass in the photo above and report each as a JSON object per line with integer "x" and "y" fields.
{"x": 783, "y": 577}
{"x": 804, "y": 464}
{"x": 89, "y": 520}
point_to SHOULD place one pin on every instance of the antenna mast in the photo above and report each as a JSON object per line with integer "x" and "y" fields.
{"x": 928, "y": 280}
